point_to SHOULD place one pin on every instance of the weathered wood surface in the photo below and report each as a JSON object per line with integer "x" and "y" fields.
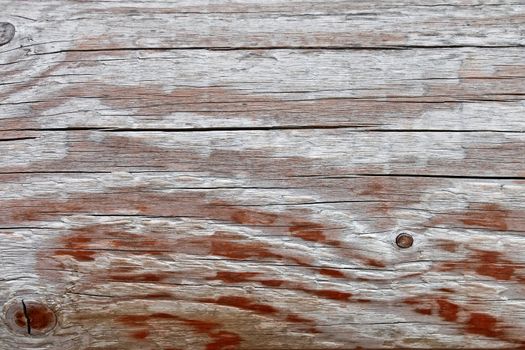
{"x": 233, "y": 175}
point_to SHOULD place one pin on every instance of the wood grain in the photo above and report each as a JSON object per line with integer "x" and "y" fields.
{"x": 233, "y": 175}
{"x": 54, "y": 25}
{"x": 452, "y": 90}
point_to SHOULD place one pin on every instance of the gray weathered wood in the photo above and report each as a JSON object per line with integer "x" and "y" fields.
{"x": 48, "y": 26}
{"x": 233, "y": 175}
{"x": 421, "y": 89}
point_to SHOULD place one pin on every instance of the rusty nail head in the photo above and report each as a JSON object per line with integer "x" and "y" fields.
{"x": 404, "y": 240}
{"x": 30, "y": 318}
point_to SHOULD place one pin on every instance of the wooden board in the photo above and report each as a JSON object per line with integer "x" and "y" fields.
{"x": 233, "y": 174}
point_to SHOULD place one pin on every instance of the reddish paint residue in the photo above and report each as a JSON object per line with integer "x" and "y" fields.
{"x": 78, "y": 255}
{"x": 492, "y": 265}
{"x": 143, "y": 277}
{"x": 153, "y": 296}
{"x": 271, "y": 283}
{"x": 484, "y": 324}
{"x": 412, "y": 301}
{"x": 242, "y": 303}
{"x": 332, "y": 294}
{"x": 40, "y": 316}
{"x": 239, "y": 277}
{"x": 133, "y": 320}
{"x": 490, "y": 216}
{"x": 297, "y": 319}
{"x": 484, "y": 263}
{"x": 373, "y": 187}
{"x": 363, "y": 301}
{"x": 140, "y": 335}
{"x": 448, "y": 310}
{"x": 331, "y": 272}
{"x": 233, "y": 277}
{"x": 447, "y": 245}
{"x": 309, "y": 231}
{"x": 236, "y": 247}
{"x": 220, "y": 339}
{"x": 423, "y": 311}
{"x": 477, "y": 322}
{"x": 224, "y": 341}
{"x": 241, "y": 250}
{"x": 77, "y": 245}
{"x": 250, "y": 217}
{"x": 76, "y": 241}
{"x": 20, "y": 319}
{"x": 374, "y": 263}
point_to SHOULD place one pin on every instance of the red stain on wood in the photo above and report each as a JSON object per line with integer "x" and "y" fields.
{"x": 271, "y": 282}
{"x": 140, "y": 335}
{"x": 239, "y": 277}
{"x": 234, "y": 277}
{"x": 484, "y": 263}
{"x": 220, "y": 339}
{"x": 133, "y": 320}
{"x": 412, "y": 301}
{"x": 310, "y": 231}
{"x": 224, "y": 341}
{"x": 76, "y": 242}
{"x": 297, "y": 319}
{"x": 237, "y": 247}
{"x": 375, "y": 263}
{"x": 448, "y": 310}
{"x": 234, "y": 249}
{"x": 373, "y": 187}
{"x": 76, "y": 246}
{"x": 447, "y": 245}
{"x": 423, "y": 311}
{"x": 142, "y": 277}
{"x": 489, "y": 216}
{"x": 474, "y": 322}
{"x": 331, "y": 272}
{"x": 493, "y": 265}
{"x": 20, "y": 319}
{"x": 40, "y": 316}
{"x": 332, "y": 294}
{"x": 483, "y": 324}
{"x": 486, "y": 216}
{"x": 82, "y": 244}
{"x": 78, "y": 255}
{"x": 363, "y": 301}
{"x": 242, "y": 303}
{"x": 250, "y": 217}
{"x": 153, "y": 296}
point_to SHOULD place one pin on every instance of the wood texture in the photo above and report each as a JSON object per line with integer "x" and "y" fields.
{"x": 233, "y": 175}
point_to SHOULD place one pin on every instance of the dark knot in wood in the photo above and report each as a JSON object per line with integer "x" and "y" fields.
{"x": 30, "y": 318}
{"x": 404, "y": 240}
{"x": 7, "y": 32}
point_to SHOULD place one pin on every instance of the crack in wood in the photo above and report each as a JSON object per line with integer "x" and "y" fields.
{"x": 27, "y": 318}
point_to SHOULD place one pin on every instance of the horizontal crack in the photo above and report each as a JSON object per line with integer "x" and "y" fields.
{"x": 284, "y": 47}
{"x": 352, "y": 128}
